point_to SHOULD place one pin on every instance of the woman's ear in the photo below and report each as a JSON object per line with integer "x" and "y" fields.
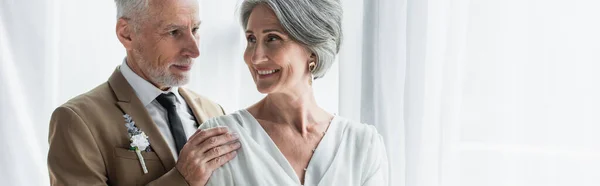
{"x": 124, "y": 32}
{"x": 313, "y": 57}
{"x": 312, "y": 62}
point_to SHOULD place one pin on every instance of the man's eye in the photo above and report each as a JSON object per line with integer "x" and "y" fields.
{"x": 251, "y": 39}
{"x": 174, "y": 32}
{"x": 194, "y": 30}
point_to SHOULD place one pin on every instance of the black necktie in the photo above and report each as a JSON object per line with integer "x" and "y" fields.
{"x": 168, "y": 102}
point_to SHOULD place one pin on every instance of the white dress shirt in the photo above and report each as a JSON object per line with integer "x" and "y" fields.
{"x": 147, "y": 93}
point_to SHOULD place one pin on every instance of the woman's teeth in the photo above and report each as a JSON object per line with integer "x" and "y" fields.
{"x": 267, "y": 72}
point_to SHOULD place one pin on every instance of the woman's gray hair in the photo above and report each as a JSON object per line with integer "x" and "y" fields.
{"x": 317, "y": 24}
{"x": 133, "y": 10}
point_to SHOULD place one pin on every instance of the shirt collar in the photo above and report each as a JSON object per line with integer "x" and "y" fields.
{"x": 145, "y": 90}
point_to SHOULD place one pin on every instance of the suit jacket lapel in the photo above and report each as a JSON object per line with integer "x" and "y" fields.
{"x": 193, "y": 103}
{"x": 131, "y": 104}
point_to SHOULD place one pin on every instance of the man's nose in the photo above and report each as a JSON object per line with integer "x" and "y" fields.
{"x": 191, "y": 43}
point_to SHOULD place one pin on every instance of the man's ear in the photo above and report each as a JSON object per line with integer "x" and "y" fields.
{"x": 124, "y": 32}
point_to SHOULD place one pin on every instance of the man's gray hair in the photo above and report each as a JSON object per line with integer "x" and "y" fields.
{"x": 132, "y": 9}
{"x": 317, "y": 24}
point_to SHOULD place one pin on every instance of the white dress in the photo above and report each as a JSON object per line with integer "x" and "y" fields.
{"x": 349, "y": 154}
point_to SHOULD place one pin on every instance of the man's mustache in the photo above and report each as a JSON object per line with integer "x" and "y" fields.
{"x": 188, "y": 61}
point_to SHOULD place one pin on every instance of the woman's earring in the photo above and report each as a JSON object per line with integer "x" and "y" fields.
{"x": 311, "y": 68}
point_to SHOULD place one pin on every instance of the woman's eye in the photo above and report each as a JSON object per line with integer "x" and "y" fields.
{"x": 272, "y": 38}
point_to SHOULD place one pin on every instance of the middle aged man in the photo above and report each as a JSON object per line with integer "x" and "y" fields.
{"x": 95, "y": 138}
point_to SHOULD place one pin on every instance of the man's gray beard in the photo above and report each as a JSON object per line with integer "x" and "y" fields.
{"x": 162, "y": 76}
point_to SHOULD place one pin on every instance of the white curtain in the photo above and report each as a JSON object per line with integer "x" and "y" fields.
{"x": 477, "y": 92}
{"x": 372, "y": 65}
{"x": 502, "y": 92}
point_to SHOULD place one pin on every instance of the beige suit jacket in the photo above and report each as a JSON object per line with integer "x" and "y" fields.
{"x": 89, "y": 141}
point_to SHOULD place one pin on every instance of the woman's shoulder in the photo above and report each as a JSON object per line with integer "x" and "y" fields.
{"x": 234, "y": 119}
{"x": 357, "y": 132}
{"x": 355, "y": 127}
{"x": 364, "y": 144}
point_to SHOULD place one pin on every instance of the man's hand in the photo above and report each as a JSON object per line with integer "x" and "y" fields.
{"x": 204, "y": 152}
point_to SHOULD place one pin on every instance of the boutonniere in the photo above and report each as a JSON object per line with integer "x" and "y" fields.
{"x": 139, "y": 140}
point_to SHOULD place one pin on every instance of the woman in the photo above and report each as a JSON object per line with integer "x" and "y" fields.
{"x": 286, "y": 138}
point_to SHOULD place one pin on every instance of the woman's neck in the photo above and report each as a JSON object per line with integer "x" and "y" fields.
{"x": 298, "y": 109}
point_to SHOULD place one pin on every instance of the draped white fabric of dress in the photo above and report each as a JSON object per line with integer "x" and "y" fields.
{"x": 349, "y": 154}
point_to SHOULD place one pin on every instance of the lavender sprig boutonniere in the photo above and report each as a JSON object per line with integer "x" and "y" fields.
{"x": 139, "y": 140}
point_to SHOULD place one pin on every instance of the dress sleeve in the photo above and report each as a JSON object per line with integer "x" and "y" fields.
{"x": 377, "y": 163}
{"x": 211, "y": 123}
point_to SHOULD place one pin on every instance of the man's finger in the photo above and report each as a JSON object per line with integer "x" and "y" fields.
{"x": 221, "y": 160}
{"x": 217, "y": 141}
{"x": 195, "y": 133}
{"x": 201, "y": 136}
{"x": 220, "y": 151}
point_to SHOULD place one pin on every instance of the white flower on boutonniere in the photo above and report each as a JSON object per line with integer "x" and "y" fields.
{"x": 139, "y": 140}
